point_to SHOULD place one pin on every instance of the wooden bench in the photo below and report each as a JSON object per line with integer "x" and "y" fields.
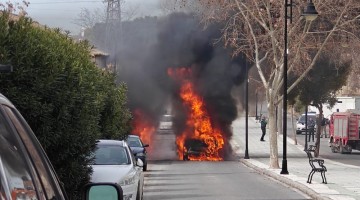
{"x": 317, "y": 165}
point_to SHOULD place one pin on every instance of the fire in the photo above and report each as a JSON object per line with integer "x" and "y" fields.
{"x": 198, "y": 123}
{"x": 143, "y": 127}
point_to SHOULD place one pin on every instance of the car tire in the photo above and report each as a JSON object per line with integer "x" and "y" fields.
{"x": 298, "y": 132}
{"x": 145, "y": 167}
{"x": 138, "y": 196}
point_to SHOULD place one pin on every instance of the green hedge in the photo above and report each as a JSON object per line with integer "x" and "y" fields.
{"x": 66, "y": 99}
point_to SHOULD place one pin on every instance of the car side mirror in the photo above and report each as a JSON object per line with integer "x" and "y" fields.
{"x": 102, "y": 191}
{"x": 145, "y": 145}
{"x": 139, "y": 162}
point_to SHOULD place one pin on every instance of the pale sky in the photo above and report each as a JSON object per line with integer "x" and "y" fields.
{"x": 61, "y": 13}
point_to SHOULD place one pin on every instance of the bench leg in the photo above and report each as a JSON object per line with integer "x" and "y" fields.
{"x": 323, "y": 177}
{"x": 310, "y": 176}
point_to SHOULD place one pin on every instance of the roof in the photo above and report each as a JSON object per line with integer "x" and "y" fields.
{"x": 97, "y": 52}
{"x": 112, "y": 142}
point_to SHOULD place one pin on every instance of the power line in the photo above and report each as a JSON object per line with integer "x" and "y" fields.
{"x": 58, "y": 2}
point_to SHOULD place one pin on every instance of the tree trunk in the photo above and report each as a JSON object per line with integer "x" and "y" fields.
{"x": 274, "y": 160}
{"x": 318, "y": 130}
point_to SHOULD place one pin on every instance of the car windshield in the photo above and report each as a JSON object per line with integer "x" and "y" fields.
{"x": 194, "y": 144}
{"x": 111, "y": 155}
{"x": 302, "y": 118}
{"x": 134, "y": 142}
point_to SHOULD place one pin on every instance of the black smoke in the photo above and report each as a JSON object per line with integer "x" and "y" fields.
{"x": 150, "y": 46}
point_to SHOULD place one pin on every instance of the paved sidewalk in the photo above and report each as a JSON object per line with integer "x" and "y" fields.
{"x": 343, "y": 180}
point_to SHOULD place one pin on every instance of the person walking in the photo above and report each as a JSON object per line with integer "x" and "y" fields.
{"x": 263, "y": 128}
{"x": 311, "y": 126}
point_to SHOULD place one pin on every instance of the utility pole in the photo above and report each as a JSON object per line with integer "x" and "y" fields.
{"x": 113, "y": 30}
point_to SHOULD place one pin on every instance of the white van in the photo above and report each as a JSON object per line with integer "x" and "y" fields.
{"x": 300, "y": 124}
{"x": 166, "y": 122}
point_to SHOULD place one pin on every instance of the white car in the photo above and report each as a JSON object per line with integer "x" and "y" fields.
{"x": 166, "y": 122}
{"x": 300, "y": 124}
{"x": 115, "y": 163}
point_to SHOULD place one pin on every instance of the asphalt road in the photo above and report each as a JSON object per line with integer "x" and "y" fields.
{"x": 168, "y": 178}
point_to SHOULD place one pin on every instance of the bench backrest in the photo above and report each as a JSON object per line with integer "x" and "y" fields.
{"x": 311, "y": 149}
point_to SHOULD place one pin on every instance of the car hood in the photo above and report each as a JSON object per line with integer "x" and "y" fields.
{"x": 136, "y": 150}
{"x": 110, "y": 173}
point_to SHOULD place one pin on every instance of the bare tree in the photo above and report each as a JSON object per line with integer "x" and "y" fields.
{"x": 256, "y": 28}
{"x": 88, "y": 18}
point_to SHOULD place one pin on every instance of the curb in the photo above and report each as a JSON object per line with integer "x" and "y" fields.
{"x": 291, "y": 183}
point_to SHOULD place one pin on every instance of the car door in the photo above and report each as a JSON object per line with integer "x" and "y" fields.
{"x": 25, "y": 172}
{"x": 139, "y": 171}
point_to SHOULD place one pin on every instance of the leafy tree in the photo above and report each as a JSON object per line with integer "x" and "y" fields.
{"x": 62, "y": 94}
{"x": 321, "y": 85}
{"x": 115, "y": 120}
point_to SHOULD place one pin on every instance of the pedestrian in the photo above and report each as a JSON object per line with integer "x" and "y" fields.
{"x": 323, "y": 127}
{"x": 311, "y": 127}
{"x": 263, "y": 128}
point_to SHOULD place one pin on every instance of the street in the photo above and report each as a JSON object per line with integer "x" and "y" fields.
{"x": 325, "y": 151}
{"x": 169, "y": 178}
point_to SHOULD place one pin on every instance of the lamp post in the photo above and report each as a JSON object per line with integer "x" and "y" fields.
{"x": 310, "y": 14}
{"x": 256, "y": 104}
{"x": 246, "y": 111}
{"x": 306, "y": 132}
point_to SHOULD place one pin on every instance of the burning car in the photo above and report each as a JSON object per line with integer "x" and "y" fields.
{"x": 194, "y": 148}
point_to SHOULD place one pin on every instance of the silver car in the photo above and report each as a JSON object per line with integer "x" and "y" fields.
{"x": 115, "y": 163}
{"x": 25, "y": 170}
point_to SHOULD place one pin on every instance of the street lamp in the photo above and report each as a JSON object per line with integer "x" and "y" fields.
{"x": 306, "y": 129}
{"x": 310, "y": 14}
{"x": 246, "y": 110}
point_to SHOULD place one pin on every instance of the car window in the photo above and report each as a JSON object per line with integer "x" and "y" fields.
{"x": 16, "y": 178}
{"x": 37, "y": 156}
{"x": 302, "y": 118}
{"x": 111, "y": 155}
{"x": 134, "y": 142}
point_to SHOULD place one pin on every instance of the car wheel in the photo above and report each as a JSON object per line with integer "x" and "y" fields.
{"x": 298, "y": 132}
{"x": 145, "y": 167}
{"x": 138, "y": 196}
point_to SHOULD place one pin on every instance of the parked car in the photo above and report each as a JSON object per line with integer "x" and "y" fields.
{"x": 166, "y": 122}
{"x": 138, "y": 148}
{"x": 25, "y": 170}
{"x": 300, "y": 125}
{"x": 194, "y": 148}
{"x": 115, "y": 163}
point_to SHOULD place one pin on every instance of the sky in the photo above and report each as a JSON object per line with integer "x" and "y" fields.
{"x": 61, "y": 13}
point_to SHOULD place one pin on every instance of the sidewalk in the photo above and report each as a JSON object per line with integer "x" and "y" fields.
{"x": 343, "y": 180}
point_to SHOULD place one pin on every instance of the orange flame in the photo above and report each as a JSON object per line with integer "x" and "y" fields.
{"x": 198, "y": 122}
{"x": 143, "y": 127}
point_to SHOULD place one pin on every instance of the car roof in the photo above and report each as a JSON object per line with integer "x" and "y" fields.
{"x": 134, "y": 136}
{"x": 6, "y": 101}
{"x": 112, "y": 142}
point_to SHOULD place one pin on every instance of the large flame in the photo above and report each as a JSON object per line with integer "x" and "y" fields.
{"x": 198, "y": 123}
{"x": 143, "y": 127}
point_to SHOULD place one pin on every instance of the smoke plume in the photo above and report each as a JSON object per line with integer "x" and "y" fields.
{"x": 150, "y": 46}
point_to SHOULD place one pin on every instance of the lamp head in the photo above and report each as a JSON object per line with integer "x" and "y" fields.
{"x": 310, "y": 12}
